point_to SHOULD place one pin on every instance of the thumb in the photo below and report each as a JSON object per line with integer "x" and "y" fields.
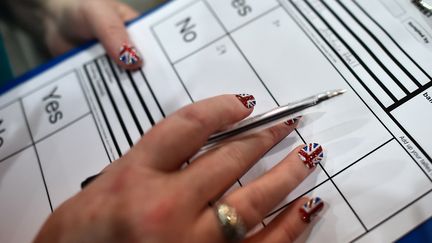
{"x": 106, "y": 20}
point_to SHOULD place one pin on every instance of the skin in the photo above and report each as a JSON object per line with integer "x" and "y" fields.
{"x": 69, "y": 23}
{"x": 146, "y": 197}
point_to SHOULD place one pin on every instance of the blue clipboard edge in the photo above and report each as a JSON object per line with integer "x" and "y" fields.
{"x": 45, "y": 66}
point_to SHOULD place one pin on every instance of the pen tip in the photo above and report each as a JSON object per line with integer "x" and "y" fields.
{"x": 336, "y": 92}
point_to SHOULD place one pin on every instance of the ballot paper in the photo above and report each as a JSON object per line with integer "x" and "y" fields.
{"x": 74, "y": 116}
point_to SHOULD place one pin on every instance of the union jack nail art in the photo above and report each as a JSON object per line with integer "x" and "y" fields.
{"x": 129, "y": 55}
{"x": 293, "y": 121}
{"x": 311, "y": 155}
{"x": 247, "y": 100}
{"x": 311, "y": 209}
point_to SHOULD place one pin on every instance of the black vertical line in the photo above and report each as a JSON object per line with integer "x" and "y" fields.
{"x": 344, "y": 198}
{"x": 143, "y": 104}
{"x": 172, "y": 65}
{"x": 409, "y": 97}
{"x": 393, "y": 40}
{"x": 368, "y": 106}
{"x": 240, "y": 51}
{"x": 381, "y": 45}
{"x": 93, "y": 116}
{"x": 370, "y": 92}
{"x": 125, "y": 97}
{"x": 114, "y": 105}
{"x": 152, "y": 93}
{"x": 393, "y": 214}
{"x": 37, "y": 154}
{"x": 365, "y": 47}
{"x": 103, "y": 112}
{"x": 383, "y": 87}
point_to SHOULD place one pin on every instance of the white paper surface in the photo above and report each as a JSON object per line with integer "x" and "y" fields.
{"x": 69, "y": 122}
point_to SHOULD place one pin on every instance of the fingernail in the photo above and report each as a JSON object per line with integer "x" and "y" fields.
{"x": 129, "y": 55}
{"x": 247, "y": 100}
{"x": 311, "y": 209}
{"x": 311, "y": 155}
{"x": 293, "y": 121}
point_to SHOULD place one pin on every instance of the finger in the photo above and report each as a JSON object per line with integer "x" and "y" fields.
{"x": 254, "y": 201}
{"x": 109, "y": 28}
{"x": 174, "y": 140}
{"x": 215, "y": 171}
{"x": 290, "y": 224}
{"x": 125, "y": 11}
{"x": 55, "y": 42}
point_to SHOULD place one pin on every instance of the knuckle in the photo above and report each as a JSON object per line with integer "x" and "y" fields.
{"x": 272, "y": 135}
{"x": 192, "y": 115}
{"x": 257, "y": 201}
{"x": 287, "y": 230}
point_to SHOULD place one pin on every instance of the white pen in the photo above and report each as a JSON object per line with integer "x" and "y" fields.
{"x": 268, "y": 119}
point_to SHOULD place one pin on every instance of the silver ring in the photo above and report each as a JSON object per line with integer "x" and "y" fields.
{"x": 231, "y": 224}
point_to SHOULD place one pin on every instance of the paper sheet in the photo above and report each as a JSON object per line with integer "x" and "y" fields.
{"x": 70, "y": 121}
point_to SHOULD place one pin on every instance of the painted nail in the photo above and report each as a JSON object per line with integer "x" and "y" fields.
{"x": 129, "y": 55}
{"x": 311, "y": 155}
{"x": 293, "y": 121}
{"x": 247, "y": 100}
{"x": 311, "y": 209}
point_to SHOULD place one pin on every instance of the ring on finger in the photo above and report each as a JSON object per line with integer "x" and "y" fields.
{"x": 232, "y": 225}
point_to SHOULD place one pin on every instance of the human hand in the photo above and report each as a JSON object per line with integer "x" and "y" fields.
{"x": 69, "y": 23}
{"x": 146, "y": 197}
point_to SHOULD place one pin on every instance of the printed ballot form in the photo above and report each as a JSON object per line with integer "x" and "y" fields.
{"x": 69, "y": 121}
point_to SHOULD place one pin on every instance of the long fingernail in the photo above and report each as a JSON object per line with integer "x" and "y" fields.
{"x": 311, "y": 209}
{"x": 293, "y": 121}
{"x": 247, "y": 100}
{"x": 311, "y": 155}
{"x": 129, "y": 55}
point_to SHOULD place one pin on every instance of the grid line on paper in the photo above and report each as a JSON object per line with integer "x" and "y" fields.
{"x": 364, "y": 156}
{"x": 278, "y": 210}
{"x": 368, "y": 70}
{"x": 110, "y": 131}
{"x": 293, "y": 4}
{"x": 363, "y": 85}
{"x": 100, "y": 131}
{"x": 392, "y": 215}
{"x": 227, "y": 34}
{"x": 392, "y": 39}
{"x": 340, "y": 57}
{"x": 125, "y": 97}
{"x": 409, "y": 97}
{"x": 63, "y": 127}
{"x": 152, "y": 93}
{"x": 344, "y": 198}
{"x": 114, "y": 105}
{"x": 176, "y": 12}
{"x": 16, "y": 152}
{"x": 381, "y": 45}
{"x": 368, "y": 50}
{"x": 141, "y": 100}
{"x": 172, "y": 65}
{"x": 240, "y": 51}
{"x": 37, "y": 154}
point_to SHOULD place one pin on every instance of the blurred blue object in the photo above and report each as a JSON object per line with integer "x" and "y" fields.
{"x": 422, "y": 233}
{"x": 5, "y": 69}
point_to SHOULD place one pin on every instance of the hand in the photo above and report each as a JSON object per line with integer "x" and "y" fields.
{"x": 146, "y": 197}
{"x": 69, "y": 23}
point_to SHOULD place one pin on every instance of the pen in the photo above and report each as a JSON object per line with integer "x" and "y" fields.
{"x": 260, "y": 122}
{"x": 277, "y": 115}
